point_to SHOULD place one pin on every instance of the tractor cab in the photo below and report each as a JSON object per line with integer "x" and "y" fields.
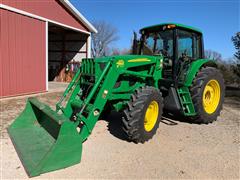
{"x": 178, "y": 44}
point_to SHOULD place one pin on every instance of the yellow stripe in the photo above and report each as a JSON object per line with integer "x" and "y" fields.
{"x": 139, "y": 60}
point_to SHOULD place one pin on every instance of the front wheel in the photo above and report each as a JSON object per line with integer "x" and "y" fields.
{"x": 143, "y": 114}
{"x": 207, "y": 93}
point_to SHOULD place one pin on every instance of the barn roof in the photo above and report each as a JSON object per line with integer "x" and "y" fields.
{"x": 78, "y": 15}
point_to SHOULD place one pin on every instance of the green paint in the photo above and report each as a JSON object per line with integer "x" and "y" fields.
{"x": 176, "y": 24}
{"x": 48, "y": 140}
{"x": 120, "y": 105}
{"x": 45, "y": 140}
{"x": 194, "y": 68}
{"x": 186, "y": 101}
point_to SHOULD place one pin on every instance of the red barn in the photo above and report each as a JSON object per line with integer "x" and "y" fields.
{"x": 40, "y": 41}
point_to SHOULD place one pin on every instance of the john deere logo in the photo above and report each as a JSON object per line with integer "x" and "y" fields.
{"x": 120, "y": 63}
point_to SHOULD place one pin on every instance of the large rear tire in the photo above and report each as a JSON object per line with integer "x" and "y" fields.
{"x": 207, "y": 93}
{"x": 143, "y": 114}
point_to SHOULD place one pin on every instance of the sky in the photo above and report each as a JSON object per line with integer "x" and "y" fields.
{"x": 219, "y": 20}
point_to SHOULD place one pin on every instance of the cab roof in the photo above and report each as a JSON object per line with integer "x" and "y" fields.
{"x": 173, "y": 25}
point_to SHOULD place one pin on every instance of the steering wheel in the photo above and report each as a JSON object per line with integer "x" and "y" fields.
{"x": 163, "y": 52}
{"x": 147, "y": 50}
{"x": 185, "y": 56}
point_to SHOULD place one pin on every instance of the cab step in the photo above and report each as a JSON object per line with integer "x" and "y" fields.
{"x": 186, "y": 101}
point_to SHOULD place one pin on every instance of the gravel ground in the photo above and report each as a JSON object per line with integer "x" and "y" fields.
{"x": 178, "y": 150}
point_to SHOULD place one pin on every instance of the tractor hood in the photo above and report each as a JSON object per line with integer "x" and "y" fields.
{"x": 121, "y": 63}
{"x": 129, "y": 58}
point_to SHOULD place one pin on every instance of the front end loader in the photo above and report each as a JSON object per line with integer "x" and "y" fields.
{"x": 166, "y": 73}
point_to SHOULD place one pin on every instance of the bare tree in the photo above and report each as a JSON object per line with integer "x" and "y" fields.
{"x": 210, "y": 54}
{"x": 226, "y": 66}
{"x": 107, "y": 34}
{"x": 117, "y": 51}
{"x": 236, "y": 43}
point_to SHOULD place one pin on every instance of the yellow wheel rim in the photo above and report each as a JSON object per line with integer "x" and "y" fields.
{"x": 211, "y": 96}
{"x": 151, "y": 116}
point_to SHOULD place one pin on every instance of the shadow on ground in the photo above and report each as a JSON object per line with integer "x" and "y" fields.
{"x": 233, "y": 102}
{"x": 114, "y": 120}
{"x": 115, "y": 125}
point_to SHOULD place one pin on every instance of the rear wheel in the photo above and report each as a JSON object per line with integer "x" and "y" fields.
{"x": 207, "y": 93}
{"x": 142, "y": 116}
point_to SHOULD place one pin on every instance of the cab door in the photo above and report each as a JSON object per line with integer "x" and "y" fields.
{"x": 188, "y": 49}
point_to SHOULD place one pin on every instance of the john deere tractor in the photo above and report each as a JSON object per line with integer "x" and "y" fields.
{"x": 167, "y": 72}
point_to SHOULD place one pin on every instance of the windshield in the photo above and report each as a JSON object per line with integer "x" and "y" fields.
{"x": 155, "y": 43}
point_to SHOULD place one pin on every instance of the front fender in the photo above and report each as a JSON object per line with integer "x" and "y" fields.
{"x": 195, "y": 67}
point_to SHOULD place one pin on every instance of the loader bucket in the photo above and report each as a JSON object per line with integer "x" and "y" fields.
{"x": 44, "y": 140}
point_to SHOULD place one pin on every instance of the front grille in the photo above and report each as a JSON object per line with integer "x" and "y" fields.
{"x": 87, "y": 76}
{"x": 88, "y": 66}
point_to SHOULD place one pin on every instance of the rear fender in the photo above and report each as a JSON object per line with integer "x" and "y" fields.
{"x": 194, "y": 69}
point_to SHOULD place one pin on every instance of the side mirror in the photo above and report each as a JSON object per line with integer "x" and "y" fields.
{"x": 135, "y": 43}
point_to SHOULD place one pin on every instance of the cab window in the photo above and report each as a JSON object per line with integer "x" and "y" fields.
{"x": 185, "y": 44}
{"x": 197, "y": 47}
{"x": 159, "y": 43}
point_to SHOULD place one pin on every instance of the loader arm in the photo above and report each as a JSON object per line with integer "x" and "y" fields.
{"x": 86, "y": 112}
{"x": 58, "y": 135}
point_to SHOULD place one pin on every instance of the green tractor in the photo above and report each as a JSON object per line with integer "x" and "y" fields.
{"x": 167, "y": 72}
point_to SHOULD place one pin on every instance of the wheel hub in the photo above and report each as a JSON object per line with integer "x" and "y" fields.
{"x": 211, "y": 96}
{"x": 151, "y": 116}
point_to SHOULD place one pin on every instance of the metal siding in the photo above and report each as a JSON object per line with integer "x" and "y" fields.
{"x": 50, "y": 9}
{"x": 23, "y": 46}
